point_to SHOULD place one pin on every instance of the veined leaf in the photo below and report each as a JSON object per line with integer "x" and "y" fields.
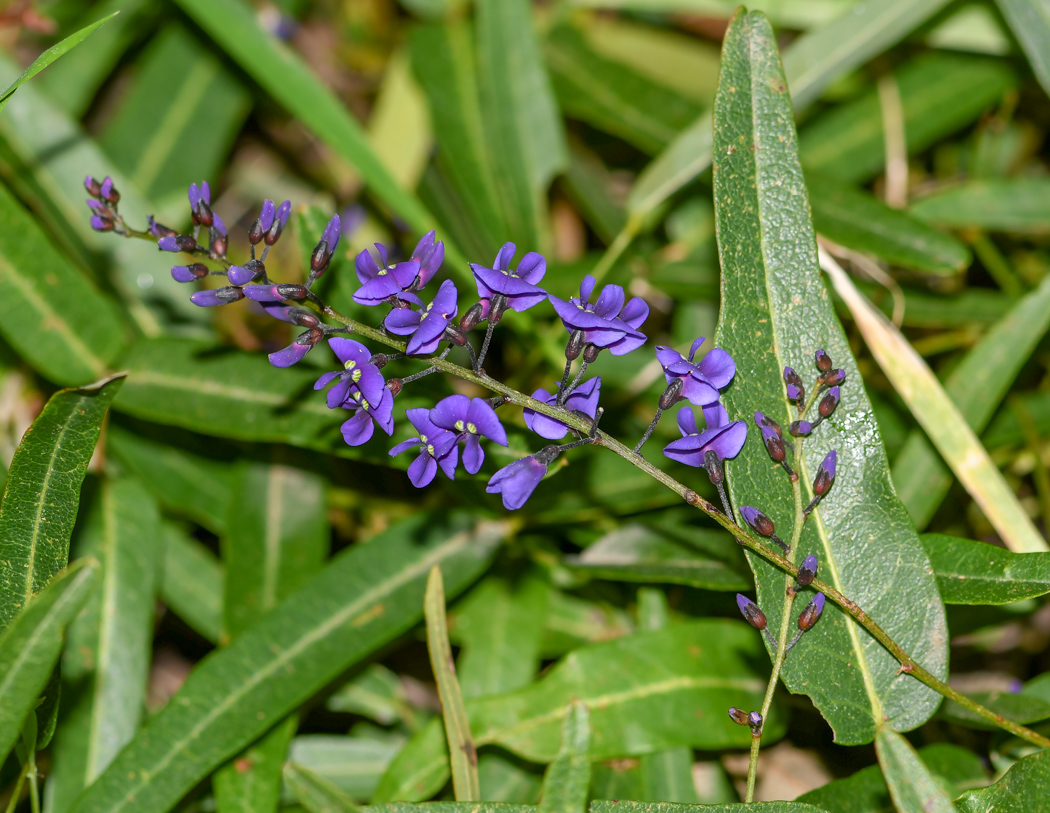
{"x": 1030, "y": 22}
{"x": 775, "y": 313}
{"x": 32, "y": 642}
{"x": 598, "y": 806}
{"x": 568, "y": 778}
{"x": 376, "y": 693}
{"x": 43, "y": 491}
{"x": 252, "y": 780}
{"x": 506, "y": 780}
{"x": 364, "y": 598}
{"x": 912, "y": 786}
{"x": 399, "y": 128}
{"x": 108, "y": 654}
{"x": 996, "y": 204}
{"x": 353, "y": 764}
{"x": 972, "y": 572}
{"x": 1024, "y": 788}
{"x": 315, "y": 793}
{"x": 193, "y": 582}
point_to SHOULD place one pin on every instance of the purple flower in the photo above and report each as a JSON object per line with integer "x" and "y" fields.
{"x": 599, "y": 321}
{"x": 217, "y": 296}
{"x": 266, "y": 215}
{"x": 197, "y": 194}
{"x": 425, "y": 326}
{"x": 357, "y": 376}
{"x": 429, "y": 253}
{"x": 722, "y": 436}
{"x": 518, "y": 286}
{"x": 582, "y": 399}
{"x": 360, "y": 428}
{"x": 470, "y": 419}
{"x": 516, "y": 482}
{"x": 437, "y": 448}
{"x": 294, "y": 352}
{"x": 382, "y": 284}
{"x": 631, "y": 318}
{"x": 700, "y": 382}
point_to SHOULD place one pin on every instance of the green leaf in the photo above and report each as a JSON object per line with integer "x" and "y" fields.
{"x": 506, "y": 780}
{"x": 1029, "y": 21}
{"x": 107, "y": 656}
{"x": 1024, "y": 788}
{"x": 618, "y": 806}
{"x": 996, "y": 204}
{"x": 50, "y": 313}
{"x": 665, "y": 553}
{"x": 522, "y": 124}
{"x": 971, "y": 572}
{"x": 567, "y": 779}
{"x": 776, "y": 313}
{"x": 940, "y": 93}
{"x": 366, "y": 597}
{"x": 50, "y": 55}
{"x": 43, "y": 491}
{"x": 377, "y": 694}
{"x": 193, "y": 582}
{"x": 463, "y": 754}
{"x": 353, "y": 764}
{"x": 32, "y": 642}
{"x": 856, "y": 219}
{"x": 977, "y": 385}
{"x": 155, "y": 135}
{"x": 1021, "y": 708}
{"x": 419, "y": 770}
{"x": 315, "y": 793}
{"x": 811, "y": 63}
{"x": 251, "y": 781}
{"x": 912, "y": 786}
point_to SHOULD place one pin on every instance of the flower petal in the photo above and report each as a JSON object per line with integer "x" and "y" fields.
{"x": 483, "y": 416}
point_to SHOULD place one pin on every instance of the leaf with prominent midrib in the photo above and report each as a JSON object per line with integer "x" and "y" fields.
{"x": 1024, "y": 789}
{"x": 972, "y": 572}
{"x": 43, "y": 491}
{"x": 912, "y": 786}
{"x": 193, "y": 582}
{"x": 597, "y": 806}
{"x": 996, "y": 204}
{"x": 363, "y": 599}
{"x": 776, "y": 313}
{"x": 567, "y": 779}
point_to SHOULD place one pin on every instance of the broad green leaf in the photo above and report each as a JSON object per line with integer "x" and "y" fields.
{"x": 43, "y": 491}
{"x": 996, "y": 204}
{"x": 463, "y": 755}
{"x": 598, "y": 806}
{"x": 366, "y": 596}
{"x": 251, "y": 782}
{"x": 1023, "y": 789}
{"x": 1021, "y": 708}
{"x": 612, "y": 97}
{"x": 377, "y": 694}
{"x": 945, "y": 426}
{"x": 50, "y": 55}
{"x": 419, "y": 770}
{"x": 912, "y": 786}
{"x": 353, "y": 764}
{"x": 32, "y": 642}
{"x": 315, "y": 793}
{"x": 976, "y": 386}
{"x": 811, "y": 63}
{"x": 666, "y": 553}
{"x": 572, "y": 621}
{"x": 399, "y": 127}
{"x": 940, "y": 92}
{"x": 107, "y": 657}
{"x": 589, "y": 185}
{"x": 491, "y": 661}
{"x": 506, "y": 780}
{"x": 795, "y": 14}
{"x": 971, "y": 572}
{"x": 53, "y": 316}
{"x": 155, "y": 135}
{"x": 568, "y": 778}
{"x": 776, "y": 313}
{"x": 522, "y": 124}
{"x": 855, "y": 219}
{"x": 1029, "y": 21}
{"x": 193, "y": 582}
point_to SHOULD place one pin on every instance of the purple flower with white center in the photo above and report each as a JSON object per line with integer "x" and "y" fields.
{"x": 582, "y": 399}
{"x": 599, "y": 321}
{"x": 519, "y": 286}
{"x": 437, "y": 449}
{"x": 516, "y": 482}
{"x": 700, "y": 381}
{"x": 357, "y": 375}
{"x": 427, "y": 325}
{"x": 723, "y": 437}
{"x": 360, "y": 428}
{"x": 216, "y": 296}
{"x": 429, "y": 253}
{"x": 294, "y": 353}
{"x": 382, "y": 284}
{"x": 471, "y": 419}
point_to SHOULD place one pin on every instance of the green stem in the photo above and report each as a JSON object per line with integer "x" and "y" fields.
{"x": 752, "y": 766}
{"x": 17, "y": 792}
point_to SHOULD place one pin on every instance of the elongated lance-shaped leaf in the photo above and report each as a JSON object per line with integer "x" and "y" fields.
{"x": 912, "y": 786}
{"x": 43, "y": 491}
{"x": 50, "y": 55}
{"x": 567, "y": 779}
{"x": 463, "y": 754}
{"x": 106, "y": 663}
{"x": 775, "y": 313}
{"x": 1025, "y": 787}
{"x": 366, "y": 596}
{"x": 193, "y": 582}
{"x": 352, "y": 763}
{"x": 945, "y": 426}
{"x": 972, "y": 572}
{"x": 315, "y": 793}
{"x": 252, "y": 780}
{"x": 31, "y": 644}
{"x": 600, "y": 806}
{"x": 1029, "y": 21}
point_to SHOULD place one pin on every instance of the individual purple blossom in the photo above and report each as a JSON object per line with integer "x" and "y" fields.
{"x": 357, "y": 375}
{"x": 216, "y": 296}
{"x": 516, "y": 482}
{"x": 429, "y": 253}
{"x": 437, "y": 449}
{"x": 631, "y": 318}
{"x": 700, "y": 381}
{"x": 520, "y": 286}
{"x": 599, "y": 320}
{"x": 723, "y": 437}
{"x": 360, "y": 428}
{"x": 382, "y": 284}
{"x": 582, "y": 399}
{"x": 427, "y": 325}
{"x": 471, "y": 419}
{"x": 294, "y": 353}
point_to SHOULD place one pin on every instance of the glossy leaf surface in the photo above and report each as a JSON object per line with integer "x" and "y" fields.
{"x": 972, "y": 572}
{"x": 1024, "y": 788}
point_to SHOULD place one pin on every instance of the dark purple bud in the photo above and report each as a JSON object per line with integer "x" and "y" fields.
{"x": 320, "y": 258}
{"x": 762, "y": 524}
{"x": 754, "y": 616}
{"x": 243, "y": 274}
{"x": 204, "y": 214}
{"x": 590, "y": 353}
{"x": 275, "y": 293}
{"x": 766, "y": 423}
{"x": 472, "y": 317}
{"x": 180, "y": 242}
{"x": 811, "y": 614}
{"x": 775, "y": 447}
{"x": 673, "y": 394}
{"x": 280, "y": 220}
{"x": 738, "y": 716}
{"x": 218, "y": 243}
{"x": 219, "y": 296}
{"x": 395, "y": 386}
{"x": 189, "y": 273}
{"x": 825, "y": 474}
{"x": 754, "y": 719}
{"x": 454, "y": 335}
{"x": 823, "y": 361}
{"x": 835, "y": 377}
{"x": 829, "y": 402}
{"x": 795, "y": 390}
{"x": 262, "y": 223}
{"x": 379, "y": 360}
{"x": 575, "y": 345}
{"x": 159, "y": 229}
{"x": 800, "y": 429}
{"x": 109, "y": 192}
{"x": 93, "y": 187}
{"x": 294, "y": 352}
{"x": 807, "y": 571}
{"x": 497, "y": 305}
{"x": 713, "y": 465}
{"x": 99, "y": 223}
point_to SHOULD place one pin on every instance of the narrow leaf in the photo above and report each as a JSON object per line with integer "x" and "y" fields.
{"x": 599, "y": 806}
{"x": 912, "y": 786}
{"x": 251, "y": 781}
{"x": 315, "y": 793}
{"x": 463, "y": 755}
{"x": 996, "y": 204}
{"x": 1029, "y": 21}
{"x": 971, "y": 572}
{"x": 193, "y": 582}
{"x": 43, "y": 491}
{"x": 1024, "y": 788}
{"x": 567, "y": 779}
{"x": 936, "y": 413}
{"x": 353, "y": 764}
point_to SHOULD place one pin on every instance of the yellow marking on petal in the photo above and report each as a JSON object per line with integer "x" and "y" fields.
{"x": 349, "y": 365}
{"x": 472, "y": 429}
{"x": 356, "y": 376}
{"x": 459, "y": 426}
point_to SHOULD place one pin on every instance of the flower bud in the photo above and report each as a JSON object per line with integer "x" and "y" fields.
{"x": 825, "y": 474}
{"x": 834, "y": 377}
{"x": 800, "y": 429}
{"x": 762, "y": 525}
{"x": 319, "y": 259}
{"x": 394, "y": 385}
{"x": 218, "y": 243}
{"x": 738, "y": 716}
{"x": 672, "y": 395}
{"x": 379, "y": 360}
{"x": 775, "y": 447}
{"x": 109, "y": 192}
{"x": 180, "y": 242}
{"x": 243, "y": 274}
{"x": 204, "y": 213}
{"x": 829, "y": 402}
{"x": 811, "y": 614}
{"x": 454, "y": 335}
{"x": 218, "y": 296}
{"x": 590, "y": 353}
{"x": 754, "y": 719}
{"x": 754, "y": 616}
{"x": 713, "y": 464}
{"x": 93, "y": 187}
{"x": 189, "y": 273}
{"x": 295, "y": 352}
{"x": 795, "y": 390}
{"x": 471, "y": 318}
{"x": 575, "y": 345}
{"x": 807, "y": 571}
{"x": 497, "y": 306}
{"x": 767, "y": 424}
{"x": 823, "y": 361}
{"x": 159, "y": 229}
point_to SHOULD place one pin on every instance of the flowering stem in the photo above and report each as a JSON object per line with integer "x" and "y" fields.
{"x": 484, "y": 347}
{"x": 752, "y": 765}
{"x": 575, "y": 383}
{"x": 649, "y": 431}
